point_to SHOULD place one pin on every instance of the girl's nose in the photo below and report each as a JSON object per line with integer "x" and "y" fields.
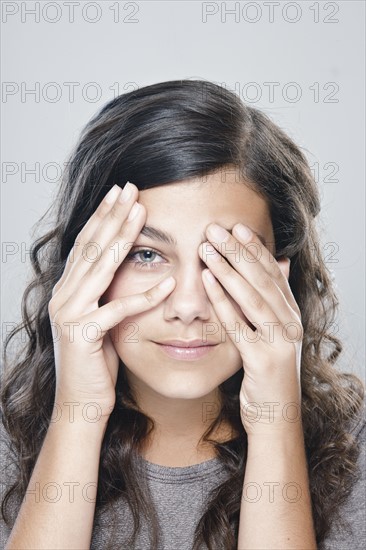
{"x": 188, "y": 301}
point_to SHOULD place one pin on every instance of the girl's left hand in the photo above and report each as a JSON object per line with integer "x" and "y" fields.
{"x": 270, "y": 394}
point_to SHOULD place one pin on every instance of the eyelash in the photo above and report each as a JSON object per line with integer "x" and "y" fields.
{"x": 144, "y": 265}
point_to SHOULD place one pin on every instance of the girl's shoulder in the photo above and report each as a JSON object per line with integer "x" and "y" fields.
{"x": 351, "y": 534}
{"x": 7, "y": 455}
{"x": 358, "y": 428}
{"x": 8, "y": 475}
{"x": 359, "y": 423}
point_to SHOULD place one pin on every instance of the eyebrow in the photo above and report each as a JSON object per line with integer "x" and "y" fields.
{"x": 160, "y": 235}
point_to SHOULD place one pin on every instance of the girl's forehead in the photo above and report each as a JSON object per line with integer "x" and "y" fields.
{"x": 212, "y": 194}
{"x": 180, "y": 213}
{"x": 195, "y": 203}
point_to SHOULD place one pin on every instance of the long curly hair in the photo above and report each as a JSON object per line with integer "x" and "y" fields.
{"x": 162, "y": 133}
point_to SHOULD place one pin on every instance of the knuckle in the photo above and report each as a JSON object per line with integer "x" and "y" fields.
{"x": 256, "y": 300}
{"x": 54, "y": 307}
{"x": 149, "y": 296}
{"x": 102, "y": 211}
{"x": 297, "y": 311}
{"x": 220, "y": 296}
{"x": 115, "y": 214}
{"x": 120, "y": 304}
{"x": 276, "y": 272}
{"x": 95, "y": 255}
{"x": 78, "y": 241}
{"x": 225, "y": 267}
{"x": 121, "y": 234}
{"x": 265, "y": 282}
{"x": 51, "y": 308}
{"x": 96, "y": 266}
{"x": 228, "y": 269}
{"x": 54, "y": 290}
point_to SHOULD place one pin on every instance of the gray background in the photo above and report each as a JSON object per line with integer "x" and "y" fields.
{"x": 313, "y": 51}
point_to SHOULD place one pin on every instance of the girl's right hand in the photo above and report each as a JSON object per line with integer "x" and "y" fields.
{"x": 86, "y": 361}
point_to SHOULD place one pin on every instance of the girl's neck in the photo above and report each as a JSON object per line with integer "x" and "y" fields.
{"x": 167, "y": 450}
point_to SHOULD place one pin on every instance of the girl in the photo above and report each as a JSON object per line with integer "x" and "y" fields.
{"x": 170, "y": 397}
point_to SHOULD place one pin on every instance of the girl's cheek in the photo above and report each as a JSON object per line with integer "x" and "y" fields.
{"x": 129, "y": 280}
{"x": 132, "y": 275}
{"x": 126, "y": 332}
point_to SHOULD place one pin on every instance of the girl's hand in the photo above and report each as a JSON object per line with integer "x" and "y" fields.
{"x": 86, "y": 361}
{"x": 269, "y": 339}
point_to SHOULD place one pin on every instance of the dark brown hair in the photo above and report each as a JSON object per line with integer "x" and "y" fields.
{"x": 163, "y": 133}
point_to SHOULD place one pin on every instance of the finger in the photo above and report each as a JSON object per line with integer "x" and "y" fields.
{"x": 250, "y": 257}
{"x": 236, "y": 327}
{"x": 254, "y": 245}
{"x": 91, "y": 251}
{"x": 113, "y": 313}
{"x": 101, "y": 227}
{"x": 254, "y": 306}
{"x": 86, "y": 233}
{"x": 84, "y": 291}
{"x": 85, "y": 236}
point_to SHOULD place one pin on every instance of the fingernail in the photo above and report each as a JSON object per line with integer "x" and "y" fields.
{"x": 126, "y": 193}
{"x": 134, "y": 211}
{"x": 218, "y": 232}
{"x": 243, "y": 231}
{"x": 112, "y": 194}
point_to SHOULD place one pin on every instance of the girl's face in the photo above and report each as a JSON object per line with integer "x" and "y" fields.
{"x": 182, "y": 212}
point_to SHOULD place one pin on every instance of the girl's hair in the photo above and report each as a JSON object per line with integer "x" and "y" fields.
{"x": 160, "y": 134}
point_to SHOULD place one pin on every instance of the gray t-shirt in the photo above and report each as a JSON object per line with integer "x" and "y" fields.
{"x": 180, "y": 494}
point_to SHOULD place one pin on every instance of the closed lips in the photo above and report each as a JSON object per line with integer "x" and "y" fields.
{"x": 189, "y": 344}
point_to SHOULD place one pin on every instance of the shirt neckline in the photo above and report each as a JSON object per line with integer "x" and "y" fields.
{"x": 179, "y": 473}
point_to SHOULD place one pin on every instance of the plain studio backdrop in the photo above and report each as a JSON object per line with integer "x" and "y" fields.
{"x": 302, "y": 63}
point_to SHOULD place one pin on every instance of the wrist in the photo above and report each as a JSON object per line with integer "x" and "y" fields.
{"x": 277, "y": 444}
{"x": 271, "y": 421}
{"x": 77, "y": 409}
{"x": 80, "y": 434}
{"x": 78, "y": 417}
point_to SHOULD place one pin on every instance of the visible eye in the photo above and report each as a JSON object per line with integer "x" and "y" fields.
{"x": 146, "y": 263}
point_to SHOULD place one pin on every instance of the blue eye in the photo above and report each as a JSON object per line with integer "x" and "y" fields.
{"x": 143, "y": 264}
